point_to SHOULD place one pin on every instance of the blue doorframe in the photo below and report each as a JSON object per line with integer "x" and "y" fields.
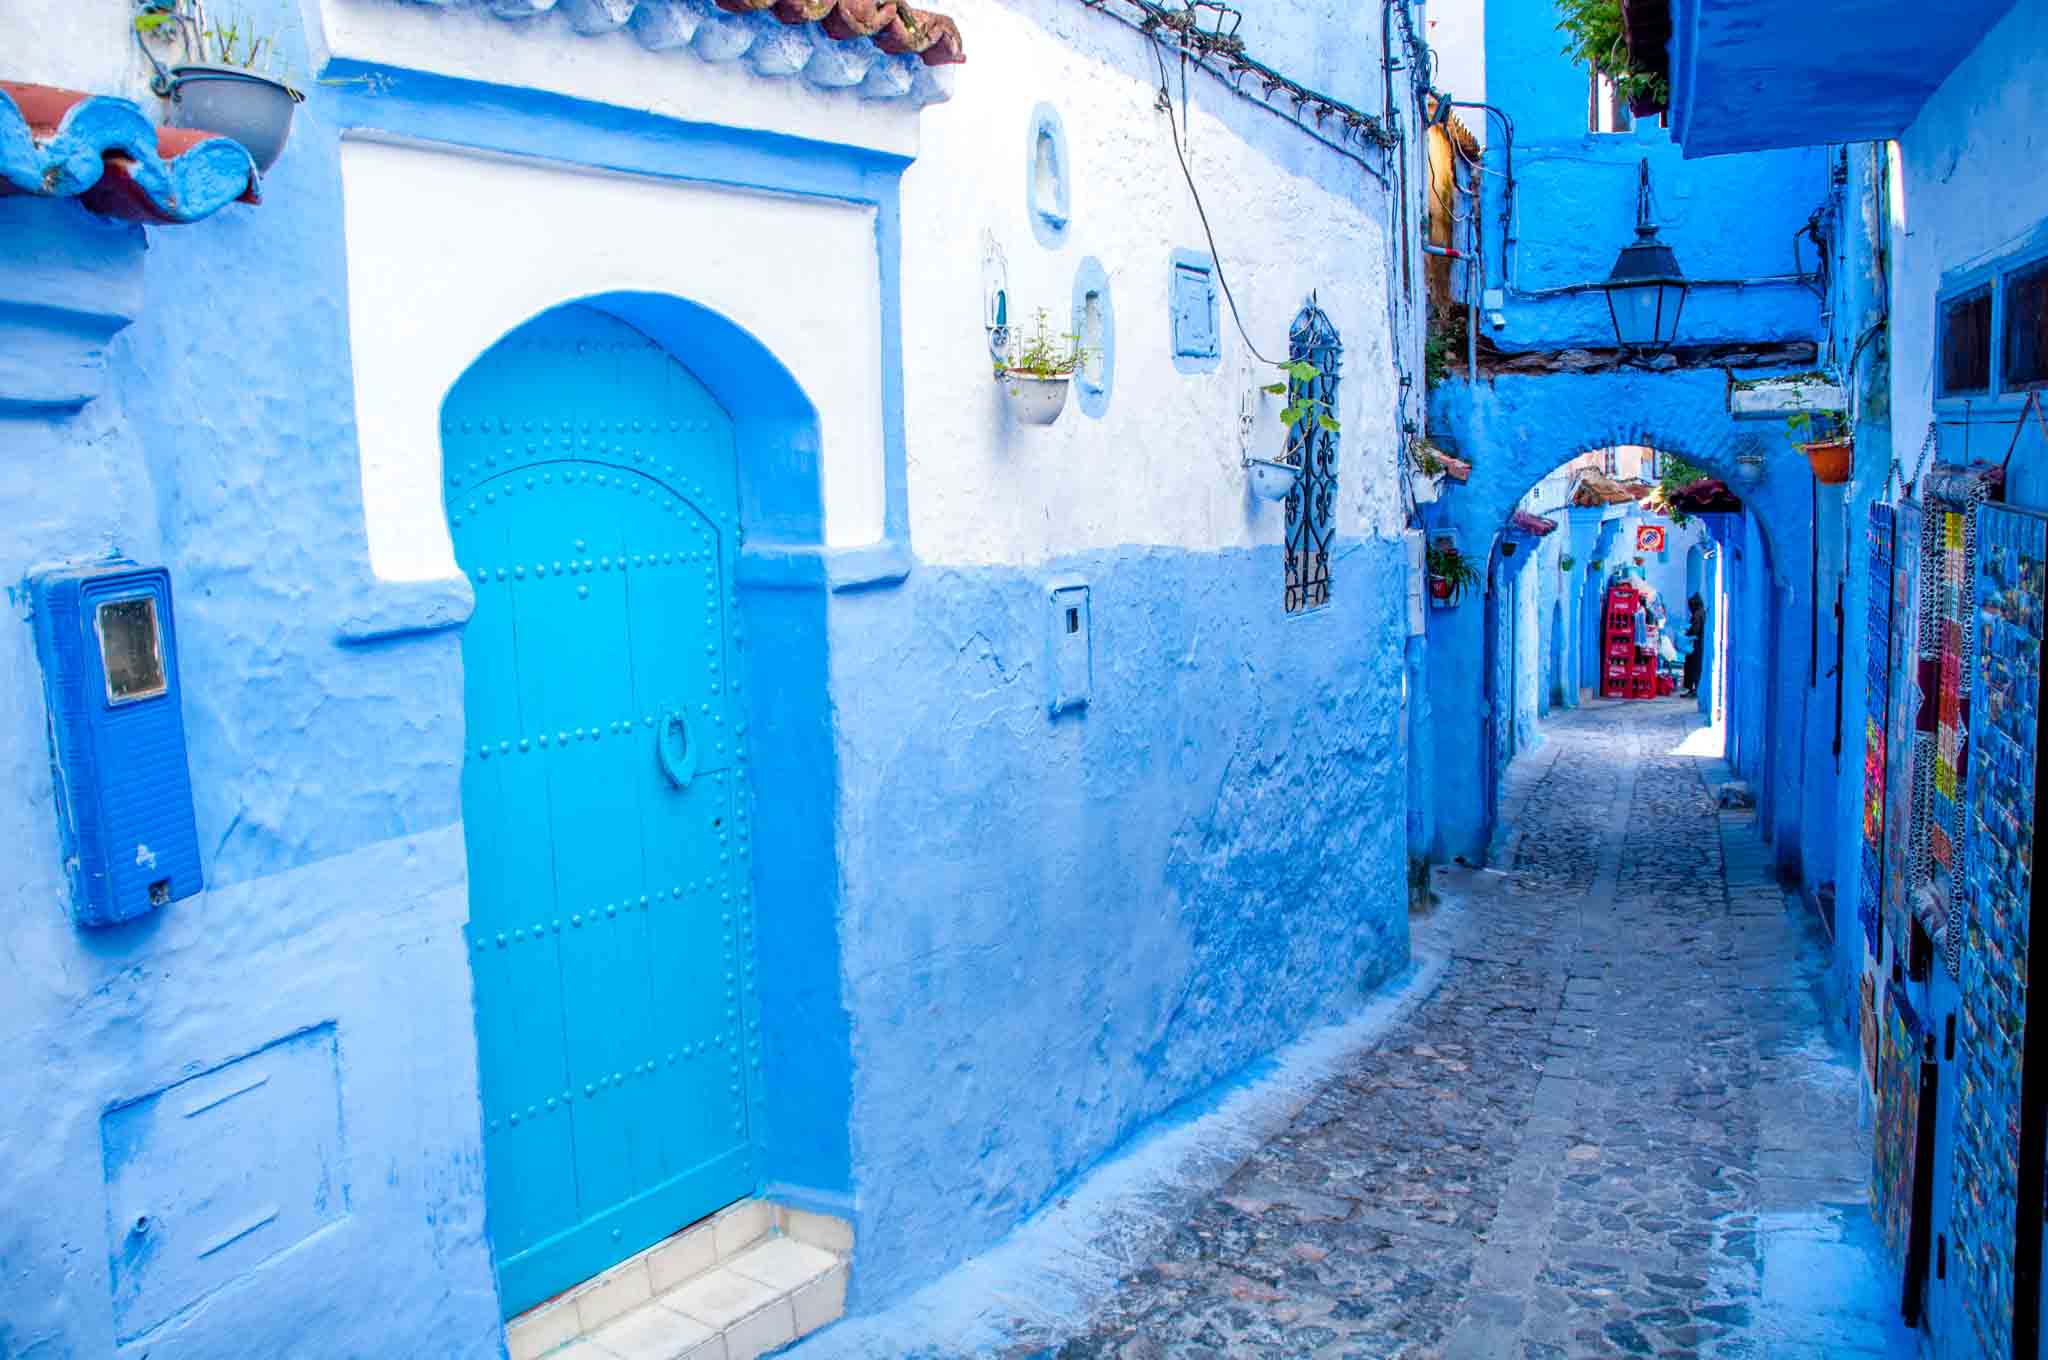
{"x": 593, "y": 500}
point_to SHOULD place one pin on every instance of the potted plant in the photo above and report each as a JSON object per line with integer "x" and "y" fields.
{"x": 1566, "y": 563}
{"x": 1451, "y": 574}
{"x": 224, "y": 77}
{"x": 1824, "y": 437}
{"x": 1038, "y": 371}
{"x": 1304, "y": 413}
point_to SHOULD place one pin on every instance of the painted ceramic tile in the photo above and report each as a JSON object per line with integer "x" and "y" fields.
{"x": 1877, "y": 706}
{"x": 1904, "y": 754}
{"x": 2010, "y": 583}
{"x": 1895, "y": 1149}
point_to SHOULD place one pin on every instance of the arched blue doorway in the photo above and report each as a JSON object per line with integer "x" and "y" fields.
{"x": 593, "y": 499}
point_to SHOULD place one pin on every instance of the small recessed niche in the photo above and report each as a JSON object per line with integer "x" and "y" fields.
{"x": 1069, "y": 649}
{"x": 1197, "y": 328}
{"x": 1048, "y": 193}
{"x": 1094, "y": 321}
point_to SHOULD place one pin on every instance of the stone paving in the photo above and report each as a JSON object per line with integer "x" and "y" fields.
{"x": 1619, "y": 1126}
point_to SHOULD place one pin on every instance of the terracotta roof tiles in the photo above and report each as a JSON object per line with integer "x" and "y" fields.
{"x": 57, "y": 143}
{"x": 878, "y": 50}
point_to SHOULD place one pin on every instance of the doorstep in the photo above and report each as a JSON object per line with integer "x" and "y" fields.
{"x": 743, "y": 1282}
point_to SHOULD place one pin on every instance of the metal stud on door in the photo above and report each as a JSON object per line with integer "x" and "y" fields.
{"x": 592, "y": 496}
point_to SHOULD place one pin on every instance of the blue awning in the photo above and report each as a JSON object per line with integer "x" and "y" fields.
{"x": 1750, "y": 75}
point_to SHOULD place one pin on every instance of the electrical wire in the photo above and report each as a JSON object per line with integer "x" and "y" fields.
{"x": 1166, "y": 107}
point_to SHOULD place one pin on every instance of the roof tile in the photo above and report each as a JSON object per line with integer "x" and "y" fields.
{"x": 58, "y": 143}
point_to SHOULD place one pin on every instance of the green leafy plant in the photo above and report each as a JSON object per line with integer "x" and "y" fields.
{"x": 1303, "y": 407}
{"x": 1046, "y": 353}
{"x": 1816, "y": 427}
{"x": 1566, "y": 563}
{"x": 1596, "y": 39}
{"x": 207, "y": 40}
{"x": 1423, "y": 455}
{"x": 1453, "y": 570}
{"x": 1443, "y": 343}
{"x": 1673, "y": 476}
{"x": 1596, "y": 564}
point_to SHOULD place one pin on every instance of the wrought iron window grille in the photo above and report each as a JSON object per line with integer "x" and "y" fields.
{"x": 1312, "y": 447}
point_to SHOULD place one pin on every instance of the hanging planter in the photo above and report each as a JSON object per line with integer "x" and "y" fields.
{"x": 1038, "y": 372}
{"x": 220, "y": 79}
{"x": 1451, "y": 574}
{"x": 1271, "y": 481}
{"x": 1832, "y": 460}
{"x": 1566, "y": 563}
{"x": 1823, "y": 436}
{"x": 241, "y": 105}
{"x": 1035, "y": 398}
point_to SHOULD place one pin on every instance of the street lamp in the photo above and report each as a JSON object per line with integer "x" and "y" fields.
{"x": 1646, "y": 291}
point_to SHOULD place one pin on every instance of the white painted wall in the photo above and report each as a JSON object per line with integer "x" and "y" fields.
{"x": 1162, "y": 467}
{"x": 439, "y": 271}
{"x": 84, "y": 45}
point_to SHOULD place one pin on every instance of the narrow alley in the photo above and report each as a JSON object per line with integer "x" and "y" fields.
{"x": 1618, "y": 1126}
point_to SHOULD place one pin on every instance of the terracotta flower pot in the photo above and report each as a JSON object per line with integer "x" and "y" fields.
{"x": 1832, "y": 460}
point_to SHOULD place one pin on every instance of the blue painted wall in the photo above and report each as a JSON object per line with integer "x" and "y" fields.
{"x": 1129, "y": 901}
{"x": 326, "y": 788}
{"x": 1143, "y": 897}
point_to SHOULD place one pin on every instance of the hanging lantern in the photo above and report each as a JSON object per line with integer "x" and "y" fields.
{"x": 1646, "y": 291}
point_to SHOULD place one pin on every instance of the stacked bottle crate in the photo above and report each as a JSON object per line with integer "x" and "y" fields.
{"x": 1627, "y": 671}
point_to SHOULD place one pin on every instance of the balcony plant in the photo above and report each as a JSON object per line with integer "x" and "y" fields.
{"x": 1451, "y": 574}
{"x": 1596, "y": 38}
{"x": 1824, "y": 437}
{"x": 1038, "y": 370}
{"x": 226, "y": 76}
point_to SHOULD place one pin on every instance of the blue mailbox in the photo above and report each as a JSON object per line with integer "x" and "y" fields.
{"x": 109, "y": 652}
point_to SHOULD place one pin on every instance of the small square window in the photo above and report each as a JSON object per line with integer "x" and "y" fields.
{"x": 1194, "y": 311}
{"x": 131, "y": 650}
{"x": 1966, "y": 344}
{"x": 2026, "y": 326}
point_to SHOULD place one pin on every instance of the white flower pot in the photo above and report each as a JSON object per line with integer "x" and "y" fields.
{"x": 1036, "y": 400}
{"x": 1271, "y": 481}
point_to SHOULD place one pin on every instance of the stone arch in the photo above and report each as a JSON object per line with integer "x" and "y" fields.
{"x": 1516, "y": 429}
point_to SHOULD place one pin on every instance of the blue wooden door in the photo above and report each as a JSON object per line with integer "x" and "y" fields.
{"x": 591, "y": 493}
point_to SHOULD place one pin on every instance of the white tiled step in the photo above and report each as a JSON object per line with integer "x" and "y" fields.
{"x": 736, "y": 1286}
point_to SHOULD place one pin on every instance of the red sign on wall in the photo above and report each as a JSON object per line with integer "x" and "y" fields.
{"x": 1649, "y": 538}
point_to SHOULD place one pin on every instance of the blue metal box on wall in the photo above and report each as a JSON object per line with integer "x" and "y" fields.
{"x": 123, "y": 788}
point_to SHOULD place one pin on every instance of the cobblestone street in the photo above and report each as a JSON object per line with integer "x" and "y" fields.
{"x": 1618, "y": 1127}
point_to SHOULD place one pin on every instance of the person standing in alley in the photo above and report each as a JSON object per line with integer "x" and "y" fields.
{"x": 1695, "y": 629}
